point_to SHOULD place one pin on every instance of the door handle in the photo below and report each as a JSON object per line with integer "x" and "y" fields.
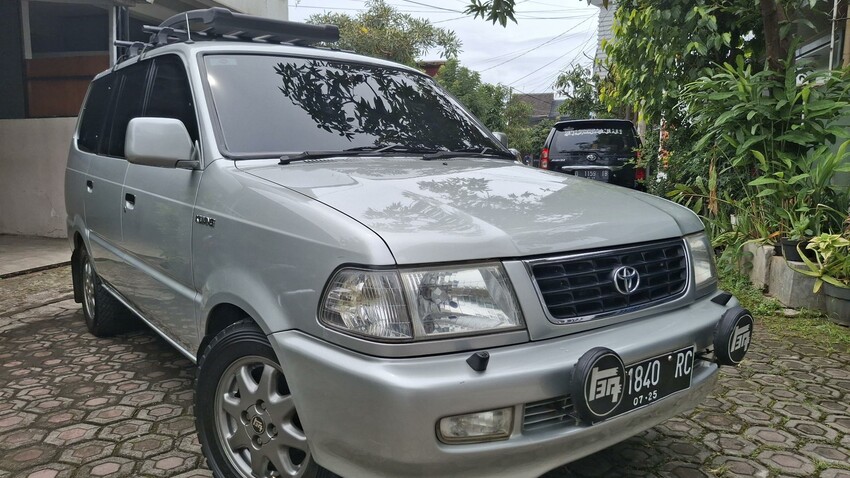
{"x": 129, "y": 201}
{"x": 89, "y": 185}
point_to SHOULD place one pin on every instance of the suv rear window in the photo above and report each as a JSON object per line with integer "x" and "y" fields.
{"x": 608, "y": 137}
{"x": 271, "y": 105}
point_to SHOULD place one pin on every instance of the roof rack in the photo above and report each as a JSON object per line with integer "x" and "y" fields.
{"x": 213, "y": 23}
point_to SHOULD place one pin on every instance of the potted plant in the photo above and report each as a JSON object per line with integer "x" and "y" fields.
{"x": 831, "y": 269}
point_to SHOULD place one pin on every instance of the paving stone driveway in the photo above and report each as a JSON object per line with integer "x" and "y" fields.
{"x": 72, "y": 405}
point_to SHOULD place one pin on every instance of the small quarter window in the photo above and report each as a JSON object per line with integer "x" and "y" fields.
{"x": 94, "y": 114}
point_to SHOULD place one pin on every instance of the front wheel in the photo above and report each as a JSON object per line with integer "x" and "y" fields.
{"x": 247, "y": 422}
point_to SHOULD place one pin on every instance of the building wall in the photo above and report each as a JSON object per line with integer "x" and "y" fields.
{"x": 32, "y": 183}
{"x": 604, "y": 32}
{"x": 12, "y": 101}
{"x": 277, "y": 9}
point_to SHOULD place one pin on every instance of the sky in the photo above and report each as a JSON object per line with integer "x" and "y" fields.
{"x": 549, "y": 36}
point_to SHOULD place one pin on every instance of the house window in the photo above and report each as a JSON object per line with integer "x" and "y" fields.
{"x": 65, "y": 46}
{"x": 65, "y": 29}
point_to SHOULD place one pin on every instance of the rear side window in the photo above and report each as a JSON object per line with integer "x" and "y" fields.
{"x": 170, "y": 95}
{"x": 94, "y": 114}
{"x": 128, "y": 105}
{"x": 604, "y": 137}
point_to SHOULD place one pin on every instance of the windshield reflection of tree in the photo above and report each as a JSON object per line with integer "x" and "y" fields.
{"x": 386, "y": 104}
{"x": 418, "y": 213}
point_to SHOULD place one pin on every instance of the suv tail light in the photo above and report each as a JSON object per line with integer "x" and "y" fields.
{"x": 640, "y": 174}
{"x": 544, "y": 159}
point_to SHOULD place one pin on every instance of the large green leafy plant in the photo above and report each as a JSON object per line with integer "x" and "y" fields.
{"x": 766, "y": 138}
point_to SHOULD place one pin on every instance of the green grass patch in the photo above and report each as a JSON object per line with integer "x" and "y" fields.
{"x": 769, "y": 313}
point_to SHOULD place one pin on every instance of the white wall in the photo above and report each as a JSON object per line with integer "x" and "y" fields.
{"x": 33, "y": 153}
{"x": 277, "y": 9}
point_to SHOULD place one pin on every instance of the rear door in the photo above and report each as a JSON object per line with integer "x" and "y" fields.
{"x": 158, "y": 215}
{"x": 107, "y": 168}
{"x": 602, "y": 150}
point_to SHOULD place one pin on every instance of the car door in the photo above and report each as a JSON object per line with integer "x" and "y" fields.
{"x": 107, "y": 168}
{"x": 158, "y": 215}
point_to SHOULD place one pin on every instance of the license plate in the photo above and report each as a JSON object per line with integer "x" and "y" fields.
{"x": 656, "y": 378}
{"x": 597, "y": 174}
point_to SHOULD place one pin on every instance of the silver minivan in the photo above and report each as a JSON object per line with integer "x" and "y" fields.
{"x": 369, "y": 283}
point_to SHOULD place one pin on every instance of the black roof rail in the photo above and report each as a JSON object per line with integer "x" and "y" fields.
{"x": 219, "y": 22}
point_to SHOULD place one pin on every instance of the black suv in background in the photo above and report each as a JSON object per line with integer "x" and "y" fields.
{"x": 603, "y": 149}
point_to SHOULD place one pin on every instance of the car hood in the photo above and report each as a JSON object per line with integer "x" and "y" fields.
{"x": 464, "y": 209}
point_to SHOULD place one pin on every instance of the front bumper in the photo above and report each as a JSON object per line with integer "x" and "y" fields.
{"x": 374, "y": 417}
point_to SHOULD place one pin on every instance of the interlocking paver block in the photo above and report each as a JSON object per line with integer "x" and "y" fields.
{"x": 169, "y": 463}
{"x": 827, "y": 453}
{"x": 53, "y": 470}
{"x": 736, "y": 467}
{"x": 124, "y": 430}
{"x": 788, "y": 463}
{"x": 771, "y": 437}
{"x": 28, "y": 457}
{"x": 794, "y": 410}
{"x": 684, "y": 470}
{"x": 87, "y": 452}
{"x": 110, "y": 414}
{"x": 112, "y": 466}
{"x": 13, "y": 419}
{"x": 139, "y": 399}
{"x": 21, "y": 437}
{"x": 145, "y": 446}
{"x": 719, "y": 421}
{"x": 71, "y": 434}
{"x": 177, "y": 426}
{"x": 835, "y": 473}
{"x": 159, "y": 412}
{"x": 810, "y": 430}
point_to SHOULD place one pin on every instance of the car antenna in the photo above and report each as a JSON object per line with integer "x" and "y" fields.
{"x": 188, "y": 31}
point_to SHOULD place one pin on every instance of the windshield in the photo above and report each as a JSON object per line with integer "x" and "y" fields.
{"x": 607, "y": 138}
{"x": 272, "y": 105}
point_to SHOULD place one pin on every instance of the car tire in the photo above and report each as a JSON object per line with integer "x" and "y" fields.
{"x": 105, "y": 315}
{"x": 247, "y": 423}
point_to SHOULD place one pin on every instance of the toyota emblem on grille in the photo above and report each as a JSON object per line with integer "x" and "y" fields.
{"x": 591, "y": 157}
{"x": 626, "y": 280}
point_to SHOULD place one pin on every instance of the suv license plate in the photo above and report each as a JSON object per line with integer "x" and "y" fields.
{"x": 656, "y": 378}
{"x": 597, "y": 174}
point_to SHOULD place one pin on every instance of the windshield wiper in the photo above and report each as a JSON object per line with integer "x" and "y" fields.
{"x": 470, "y": 152}
{"x": 358, "y": 151}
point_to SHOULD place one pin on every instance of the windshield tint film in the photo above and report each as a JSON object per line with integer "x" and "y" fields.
{"x": 269, "y": 105}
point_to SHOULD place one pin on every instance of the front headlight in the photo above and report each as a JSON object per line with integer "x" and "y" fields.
{"x": 702, "y": 257}
{"x": 421, "y": 304}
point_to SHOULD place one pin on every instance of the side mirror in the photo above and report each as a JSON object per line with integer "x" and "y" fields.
{"x": 516, "y": 154}
{"x": 161, "y": 142}
{"x": 502, "y": 137}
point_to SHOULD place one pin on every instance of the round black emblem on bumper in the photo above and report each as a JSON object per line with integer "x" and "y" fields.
{"x": 598, "y": 384}
{"x": 733, "y": 335}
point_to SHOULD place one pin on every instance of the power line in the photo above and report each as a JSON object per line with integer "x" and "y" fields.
{"x": 549, "y": 80}
{"x": 431, "y": 6}
{"x": 538, "y": 46}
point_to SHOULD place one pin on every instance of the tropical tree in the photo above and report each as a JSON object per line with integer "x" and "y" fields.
{"x": 382, "y": 31}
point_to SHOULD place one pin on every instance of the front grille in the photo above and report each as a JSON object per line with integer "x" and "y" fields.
{"x": 583, "y": 285}
{"x": 548, "y": 413}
